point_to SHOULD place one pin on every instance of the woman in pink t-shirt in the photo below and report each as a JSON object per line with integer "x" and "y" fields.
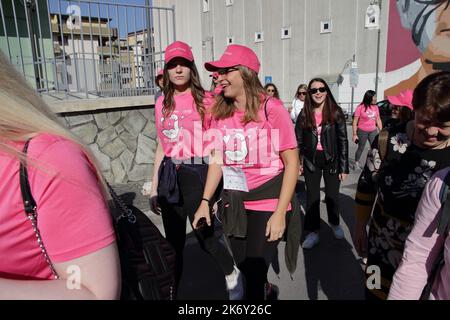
{"x": 77, "y": 258}
{"x": 182, "y": 116}
{"x": 365, "y": 122}
{"x": 322, "y": 139}
{"x": 256, "y": 145}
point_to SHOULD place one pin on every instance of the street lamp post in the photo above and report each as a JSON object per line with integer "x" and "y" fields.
{"x": 378, "y": 50}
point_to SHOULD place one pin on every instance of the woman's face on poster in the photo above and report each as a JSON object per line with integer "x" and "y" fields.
{"x": 429, "y": 22}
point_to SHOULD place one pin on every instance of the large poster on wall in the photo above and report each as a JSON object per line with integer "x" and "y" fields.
{"x": 418, "y": 42}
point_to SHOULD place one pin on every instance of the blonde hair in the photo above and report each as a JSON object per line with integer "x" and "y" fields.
{"x": 255, "y": 93}
{"x": 24, "y": 114}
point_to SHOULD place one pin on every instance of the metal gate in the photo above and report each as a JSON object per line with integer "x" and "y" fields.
{"x": 86, "y": 48}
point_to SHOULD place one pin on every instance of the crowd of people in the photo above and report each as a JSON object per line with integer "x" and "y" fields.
{"x": 235, "y": 153}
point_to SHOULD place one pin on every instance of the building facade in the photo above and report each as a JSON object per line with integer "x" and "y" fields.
{"x": 296, "y": 40}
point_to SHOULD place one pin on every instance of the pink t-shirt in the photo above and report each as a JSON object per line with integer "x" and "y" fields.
{"x": 421, "y": 249}
{"x": 181, "y": 133}
{"x": 256, "y": 147}
{"x": 72, "y": 216}
{"x": 318, "y": 116}
{"x": 367, "y": 118}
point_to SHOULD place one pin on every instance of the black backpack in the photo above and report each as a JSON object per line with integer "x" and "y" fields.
{"x": 147, "y": 260}
{"x": 443, "y": 229}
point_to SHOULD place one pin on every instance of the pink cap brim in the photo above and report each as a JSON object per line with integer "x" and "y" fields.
{"x": 216, "y": 65}
{"x": 396, "y": 101}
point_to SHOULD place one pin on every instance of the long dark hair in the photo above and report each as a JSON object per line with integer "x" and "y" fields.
{"x": 198, "y": 93}
{"x": 431, "y": 97}
{"x": 331, "y": 111}
{"x": 367, "y": 100}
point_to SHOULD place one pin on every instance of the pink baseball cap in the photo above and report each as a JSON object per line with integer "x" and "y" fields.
{"x": 178, "y": 49}
{"x": 235, "y": 55}
{"x": 403, "y": 99}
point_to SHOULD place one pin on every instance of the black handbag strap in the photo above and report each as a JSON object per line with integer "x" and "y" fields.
{"x": 29, "y": 205}
{"x": 28, "y": 201}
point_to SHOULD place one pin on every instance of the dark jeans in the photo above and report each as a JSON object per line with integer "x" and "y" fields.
{"x": 254, "y": 254}
{"x": 174, "y": 221}
{"x": 363, "y": 136}
{"x": 332, "y": 184}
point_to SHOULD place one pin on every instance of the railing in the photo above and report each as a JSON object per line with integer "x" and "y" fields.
{"x": 86, "y": 48}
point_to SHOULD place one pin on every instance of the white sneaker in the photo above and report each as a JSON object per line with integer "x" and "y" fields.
{"x": 311, "y": 240}
{"x": 235, "y": 285}
{"x": 338, "y": 232}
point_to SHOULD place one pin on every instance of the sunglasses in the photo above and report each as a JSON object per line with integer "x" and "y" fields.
{"x": 226, "y": 71}
{"x": 270, "y": 90}
{"x": 315, "y": 90}
{"x": 302, "y": 93}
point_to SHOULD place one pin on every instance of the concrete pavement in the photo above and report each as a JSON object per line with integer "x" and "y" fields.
{"x": 329, "y": 271}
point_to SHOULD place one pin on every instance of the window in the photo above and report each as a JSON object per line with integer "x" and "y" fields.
{"x": 228, "y": 3}
{"x": 230, "y": 40}
{"x": 325, "y": 26}
{"x": 285, "y": 33}
{"x": 259, "y": 36}
{"x": 205, "y": 5}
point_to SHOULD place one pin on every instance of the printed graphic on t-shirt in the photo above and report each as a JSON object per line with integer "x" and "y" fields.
{"x": 371, "y": 114}
{"x": 170, "y": 127}
{"x": 236, "y": 149}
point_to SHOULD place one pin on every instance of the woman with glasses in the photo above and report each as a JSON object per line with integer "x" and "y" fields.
{"x": 258, "y": 160}
{"x": 182, "y": 115}
{"x": 299, "y": 100}
{"x": 322, "y": 139}
{"x": 366, "y": 120}
{"x": 401, "y": 109}
{"x": 272, "y": 90}
{"x": 388, "y": 191}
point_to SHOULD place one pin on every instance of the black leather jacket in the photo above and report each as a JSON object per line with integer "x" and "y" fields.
{"x": 333, "y": 139}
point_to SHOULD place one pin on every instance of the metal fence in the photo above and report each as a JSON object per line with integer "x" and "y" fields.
{"x": 86, "y": 48}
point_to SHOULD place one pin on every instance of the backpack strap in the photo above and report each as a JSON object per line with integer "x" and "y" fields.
{"x": 265, "y": 109}
{"x": 444, "y": 221}
{"x": 383, "y": 137}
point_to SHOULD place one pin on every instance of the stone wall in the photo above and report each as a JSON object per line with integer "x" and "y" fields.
{"x": 122, "y": 140}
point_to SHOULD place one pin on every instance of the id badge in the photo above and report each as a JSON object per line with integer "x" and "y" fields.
{"x": 234, "y": 179}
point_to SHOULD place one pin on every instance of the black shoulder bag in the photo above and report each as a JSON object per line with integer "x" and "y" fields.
{"x": 147, "y": 260}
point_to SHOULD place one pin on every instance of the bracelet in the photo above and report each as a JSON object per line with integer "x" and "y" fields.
{"x": 204, "y": 199}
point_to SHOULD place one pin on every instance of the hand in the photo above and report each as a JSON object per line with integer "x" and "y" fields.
{"x": 276, "y": 226}
{"x": 202, "y": 213}
{"x": 154, "y": 205}
{"x": 342, "y": 176}
{"x": 300, "y": 170}
{"x": 360, "y": 239}
{"x": 355, "y": 138}
{"x": 290, "y": 109}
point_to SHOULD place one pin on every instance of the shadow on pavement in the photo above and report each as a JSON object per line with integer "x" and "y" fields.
{"x": 202, "y": 279}
{"x": 331, "y": 266}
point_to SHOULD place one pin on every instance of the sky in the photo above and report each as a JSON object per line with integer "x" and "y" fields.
{"x": 136, "y": 15}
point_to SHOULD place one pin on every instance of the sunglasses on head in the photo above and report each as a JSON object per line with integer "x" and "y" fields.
{"x": 315, "y": 90}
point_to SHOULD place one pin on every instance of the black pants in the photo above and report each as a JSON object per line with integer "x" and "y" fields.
{"x": 174, "y": 221}
{"x": 332, "y": 184}
{"x": 254, "y": 254}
